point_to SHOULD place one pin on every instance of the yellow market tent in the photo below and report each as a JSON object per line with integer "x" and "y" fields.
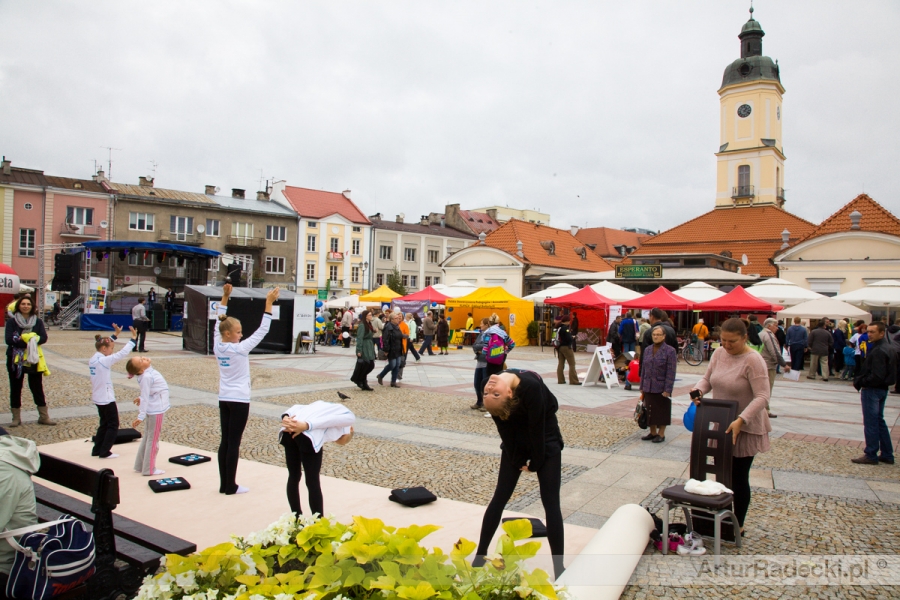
{"x": 514, "y": 313}
{"x": 382, "y": 294}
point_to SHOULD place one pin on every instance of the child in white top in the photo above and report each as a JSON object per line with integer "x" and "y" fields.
{"x": 153, "y": 403}
{"x": 304, "y": 431}
{"x": 102, "y": 393}
{"x": 233, "y": 356}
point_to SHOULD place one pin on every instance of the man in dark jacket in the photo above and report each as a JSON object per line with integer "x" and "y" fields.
{"x": 628, "y": 333}
{"x": 429, "y": 328}
{"x": 796, "y": 338}
{"x": 565, "y": 353}
{"x": 392, "y": 345}
{"x": 820, "y": 344}
{"x": 878, "y": 373}
{"x": 893, "y": 332}
{"x": 840, "y": 341}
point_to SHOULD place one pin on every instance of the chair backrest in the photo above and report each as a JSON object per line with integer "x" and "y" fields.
{"x": 102, "y": 486}
{"x": 711, "y": 448}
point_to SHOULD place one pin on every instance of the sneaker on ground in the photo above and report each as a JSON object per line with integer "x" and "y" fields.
{"x": 242, "y": 490}
{"x": 112, "y": 455}
{"x": 158, "y": 472}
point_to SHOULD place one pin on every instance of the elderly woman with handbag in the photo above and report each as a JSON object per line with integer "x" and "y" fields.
{"x": 25, "y": 332}
{"x": 657, "y": 383}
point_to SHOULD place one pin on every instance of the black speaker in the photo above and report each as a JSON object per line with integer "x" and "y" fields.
{"x": 235, "y": 272}
{"x": 63, "y": 265}
{"x": 65, "y": 273}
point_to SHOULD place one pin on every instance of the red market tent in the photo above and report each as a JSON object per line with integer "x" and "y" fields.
{"x": 738, "y": 300}
{"x": 586, "y": 297}
{"x": 428, "y": 294}
{"x": 660, "y": 298}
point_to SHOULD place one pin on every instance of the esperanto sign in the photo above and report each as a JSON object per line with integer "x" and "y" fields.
{"x": 638, "y": 271}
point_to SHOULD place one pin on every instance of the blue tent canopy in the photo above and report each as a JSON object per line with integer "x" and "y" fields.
{"x": 178, "y": 249}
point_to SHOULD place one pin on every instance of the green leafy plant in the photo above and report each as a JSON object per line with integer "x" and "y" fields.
{"x": 532, "y": 330}
{"x": 322, "y": 559}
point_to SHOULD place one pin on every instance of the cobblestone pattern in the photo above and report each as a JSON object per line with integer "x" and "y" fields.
{"x": 61, "y": 388}
{"x": 825, "y": 459}
{"x": 452, "y": 413}
{"x": 789, "y": 523}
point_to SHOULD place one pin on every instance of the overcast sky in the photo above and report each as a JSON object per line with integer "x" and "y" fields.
{"x": 600, "y": 113}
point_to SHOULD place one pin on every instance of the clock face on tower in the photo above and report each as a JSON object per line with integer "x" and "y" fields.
{"x": 744, "y": 111}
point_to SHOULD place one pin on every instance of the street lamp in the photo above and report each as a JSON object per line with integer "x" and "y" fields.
{"x": 363, "y": 266}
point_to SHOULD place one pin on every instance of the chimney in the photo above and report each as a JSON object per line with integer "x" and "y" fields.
{"x": 573, "y": 229}
{"x": 423, "y": 220}
{"x": 785, "y": 237}
{"x": 237, "y": 193}
{"x": 519, "y": 252}
{"x": 7, "y": 166}
{"x": 481, "y": 237}
{"x": 145, "y": 181}
{"x": 492, "y": 213}
{"x": 210, "y": 190}
{"x": 443, "y": 222}
{"x": 855, "y": 216}
{"x": 263, "y": 196}
{"x": 400, "y": 218}
{"x": 346, "y": 194}
{"x": 375, "y": 217}
{"x": 100, "y": 176}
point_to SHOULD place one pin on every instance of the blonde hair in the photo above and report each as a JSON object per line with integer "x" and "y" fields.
{"x": 101, "y": 341}
{"x": 227, "y": 323}
{"x": 495, "y": 319}
{"x": 132, "y": 368}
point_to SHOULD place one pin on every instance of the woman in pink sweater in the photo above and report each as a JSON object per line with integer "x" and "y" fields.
{"x": 737, "y": 372}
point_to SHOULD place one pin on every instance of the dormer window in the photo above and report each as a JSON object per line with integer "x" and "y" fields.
{"x": 549, "y": 246}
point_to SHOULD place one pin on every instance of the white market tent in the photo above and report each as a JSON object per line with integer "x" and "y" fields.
{"x": 885, "y": 293}
{"x": 349, "y": 301}
{"x": 699, "y": 292}
{"x": 554, "y": 291}
{"x": 614, "y": 291}
{"x": 456, "y": 290}
{"x": 783, "y": 292}
{"x": 825, "y": 307}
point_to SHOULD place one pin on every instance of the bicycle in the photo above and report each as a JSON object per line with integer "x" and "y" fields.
{"x": 692, "y": 351}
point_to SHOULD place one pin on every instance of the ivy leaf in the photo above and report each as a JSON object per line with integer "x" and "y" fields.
{"x": 526, "y": 551}
{"x": 354, "y": 577}
{"x": 324, "y": 576}
{"x": 409, "y": 552}
{"x": 366, "y": 553}
{"x": 368, "y": 530}
{"x": 247, "y": 579}
{"x": 417, "y": 532}
{"x": 385, "y": 582}
{"x": 520, "y": 529}
{"x": 423, "y": 591}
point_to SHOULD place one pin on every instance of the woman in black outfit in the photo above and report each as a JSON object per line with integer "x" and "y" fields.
{"x": 524, "y": 411}
{"x": 24, "y": 320}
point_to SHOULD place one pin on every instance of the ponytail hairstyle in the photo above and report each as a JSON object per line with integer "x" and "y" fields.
{"x": 227, "y": 323}
{"x": 101, "y": 341}
{"x": 495, "y": 319}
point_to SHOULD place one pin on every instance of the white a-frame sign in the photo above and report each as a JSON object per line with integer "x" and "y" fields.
{"x": 602, "y": 364}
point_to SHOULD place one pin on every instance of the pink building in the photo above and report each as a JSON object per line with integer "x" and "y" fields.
{"x": 40, "y": 209}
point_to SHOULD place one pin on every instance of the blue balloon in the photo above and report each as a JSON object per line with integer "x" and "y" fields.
{"x": 319, "y": 304}
{"x": 320, "y": 319}
{"x": 688, "y": 418}
{"x": 434, "y": 305}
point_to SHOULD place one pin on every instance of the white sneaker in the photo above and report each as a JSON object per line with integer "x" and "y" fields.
{"x": 112, "y": 455}
{"x": 487, "y": 415}
{"x": 693, "y": 545}
{"x": 242, "y": 490}
{"x": 158, "y": 472}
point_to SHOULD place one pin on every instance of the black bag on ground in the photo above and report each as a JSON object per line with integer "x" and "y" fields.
{"x": 538, "y": 529}
{"x": 168, "y": 484}
{"x": 189, "y": 460}
{"x": 124, "y": 436}
{"x": 414, "y": 496}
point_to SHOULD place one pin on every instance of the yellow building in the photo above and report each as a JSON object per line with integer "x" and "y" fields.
{"x": 503, "y": 214}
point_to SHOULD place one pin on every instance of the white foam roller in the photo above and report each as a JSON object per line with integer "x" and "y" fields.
{"x": 605, "y": 565}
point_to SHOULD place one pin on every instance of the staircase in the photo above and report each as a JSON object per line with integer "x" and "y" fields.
{"x": 68, "y": 318}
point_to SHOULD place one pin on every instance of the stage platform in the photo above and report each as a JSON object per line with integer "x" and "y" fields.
{"x": 205, "y": 517}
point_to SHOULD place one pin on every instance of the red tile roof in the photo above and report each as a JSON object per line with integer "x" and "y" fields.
{"x": 531, "y": 235}
{"x": 318, "y": 204}
{"x": 478, "y": 221}
{"x": 875, "y": 218}
{"x": 753, "y": 230}
{"x": 606, "y": 239}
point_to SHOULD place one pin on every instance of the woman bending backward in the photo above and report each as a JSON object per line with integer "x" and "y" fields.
{"x": 233, "y": 356}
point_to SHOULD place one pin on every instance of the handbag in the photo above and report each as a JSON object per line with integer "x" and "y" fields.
{"x": 49, "y": 564}
{"x": 640, "y": 414}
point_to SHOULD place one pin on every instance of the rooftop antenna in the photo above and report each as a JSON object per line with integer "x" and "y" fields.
{"x": 109, "y": 163}
{"x": 95, "y": 165}
{"x": 153, "y": 165}
{"x": 751, "y": 9}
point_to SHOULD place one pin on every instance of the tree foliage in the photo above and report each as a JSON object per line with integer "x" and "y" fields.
{"x": 395, "y": 282}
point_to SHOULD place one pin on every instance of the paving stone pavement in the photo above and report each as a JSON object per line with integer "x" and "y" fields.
{"x": 808, "y": 497}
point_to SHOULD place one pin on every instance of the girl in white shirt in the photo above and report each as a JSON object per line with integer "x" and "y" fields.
{"x": 103, "y": 394}
{"x": 304, "y": 431}
{"x": 153, "y": 404}
{"x": 233, "y": 356}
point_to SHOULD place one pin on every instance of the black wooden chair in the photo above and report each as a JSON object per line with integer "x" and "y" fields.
{"x": 711, "y": 454}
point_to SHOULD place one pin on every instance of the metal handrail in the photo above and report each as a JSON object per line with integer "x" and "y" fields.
{"x": 743, "y": 191}
{"x": 70, "y": 314}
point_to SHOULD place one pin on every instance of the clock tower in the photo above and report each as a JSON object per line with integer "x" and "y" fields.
{"x": 750, "y": 168}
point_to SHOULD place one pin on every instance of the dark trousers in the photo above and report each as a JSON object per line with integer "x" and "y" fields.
{"x": 346, "y": 340}
{"x": 299, "y": 455}
{"x": 491, "y": 369}
{"x": 797, "y": 351}
{"x": 233, "y": 419}
{"x": 362, "y": 370}
{"x": 141, "y": 327}
{"x": 878, "y": 436}
{"x": 411, "y": 348}
{"x": 480, "y": 380}
{"x": 35, "y": 384}
{"x": 107, "y": 430}
{"x": 549, "y": 479}
{"x": 427, "y": 344}
{"x": 740, "y": 485}
{"x": 392, "y": 366}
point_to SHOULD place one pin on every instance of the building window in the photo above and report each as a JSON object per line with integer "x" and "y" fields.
{"x": 310, "y": 271}
{"x": 181, "y": 228}
{"x": 312, "y": 224}
{"x": 379, "y": 279}
{"x": 27, "y": 239}
{"x": 212, "y": 227}
{"x": 245, "y": 259}
{"x": 427, "y": 281}
{"x": 79, "y": 216}
{"x": 310, "y": 243}
{"x": 354, "y": 274}
{"x": 242, "y": 230}
{"x": 744, "y": 176}
{"x": 333, "y": 272}
{"x": 28, "y": 206}
{"x": 140, "y": 259}
{"x": 334, "y": 244}
{"x": 354, "y": 247}
{"x": 409, "y": 254}
{"x": 435, "y": 281}
{"x": 214, "y": 263}
{"x": 413, "y": 281}
{"x": 357, "y": 230}
{"x": 275, "y": 264}
{"x": 404, "y": 279}
{"x": 140, "y": 221}
{"x": 276, "y": 233}
{"x": 434, "y": 256}
{"x": 384, "y": 252}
